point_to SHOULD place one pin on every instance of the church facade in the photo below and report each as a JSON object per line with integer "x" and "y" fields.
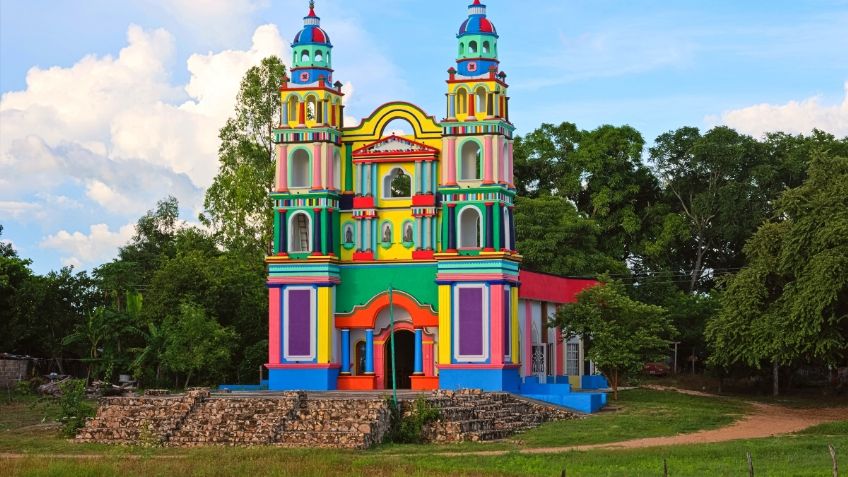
{"x": 418, "y": 229}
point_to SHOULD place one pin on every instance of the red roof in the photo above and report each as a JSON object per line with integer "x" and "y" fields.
{"x": 486, "y": 26}
{"x": 551, "y": 288}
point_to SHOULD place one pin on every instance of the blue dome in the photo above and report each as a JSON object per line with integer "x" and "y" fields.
{"x": 312, "y": 33}
{"x": 477, "y": 23}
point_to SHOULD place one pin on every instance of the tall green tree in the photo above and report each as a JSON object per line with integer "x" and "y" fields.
{"x": 790, "y": 302}
{"x": 237, "y": 203}
{"x": 599, "y": 171}
{"x": 622, "y": 333}
{"x": 555, "y": 238}
{"x": 196, "y": 343}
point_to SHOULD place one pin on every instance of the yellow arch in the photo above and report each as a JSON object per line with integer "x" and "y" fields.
{"x": 371, "y": 128}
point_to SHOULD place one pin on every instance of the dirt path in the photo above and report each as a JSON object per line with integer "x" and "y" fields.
{"x": 766, "y": 420}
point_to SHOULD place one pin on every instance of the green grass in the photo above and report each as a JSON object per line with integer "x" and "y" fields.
{"x": 642, "y": 413}
{"x": 638, "y": 413}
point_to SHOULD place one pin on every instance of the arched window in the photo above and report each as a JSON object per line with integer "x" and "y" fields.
{"x": 337, "y": 171}
{"x": 472, "y": 47}
{"x": 386, "y": 233}
{"x": 486, "y": 47}
{"x": 311, "y": 108}
{"x": 461, "y": 101}
{"x": 408, "y": 236}
{"x": 320, "y": 57}
{"x": 304, "y": 56}
{"x": 480, "y": 102}
{"x": 470, "y": 228}
{"x": 300, "y": 230}
{"x": 397, "y": 184}
{"x": 347, "y": 234}
{"x": 299, "y": 169}
{"x": 292, "y": 105}
{"x": 461, "y": 48}
{"x": 469, "y": 165}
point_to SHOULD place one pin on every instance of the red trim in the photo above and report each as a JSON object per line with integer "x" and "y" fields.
{"x": 363, "y": 202}
{"x": 421, "y": 200}
{"x": 363, "y": 256}
{"x": 392, "y": 157}
{"x": 357, "y": 383}
{"x": 551, "y": 288}
{"x": 478, "y": 366}
{"x": 302, "y": 366}
{"x": 424, "y": 383}
{"x": 422, "y": 254}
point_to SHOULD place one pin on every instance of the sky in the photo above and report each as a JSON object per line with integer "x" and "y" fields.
{"x": 107, "y": 107}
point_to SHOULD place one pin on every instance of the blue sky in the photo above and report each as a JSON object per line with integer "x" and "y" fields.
{"x": 108, "y": 106}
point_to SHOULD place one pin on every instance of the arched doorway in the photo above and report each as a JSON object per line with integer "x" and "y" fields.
{"x": 404, "y": 359}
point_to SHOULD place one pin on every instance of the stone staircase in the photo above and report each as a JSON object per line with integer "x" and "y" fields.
{"x": 473, "y": 415}
{"x": 236, "y": 421}
{"x": 139, "y": 420}
{"x": 295, "y": 419}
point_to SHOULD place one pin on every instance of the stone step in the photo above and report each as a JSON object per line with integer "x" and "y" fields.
{"x": 346, "y": 440}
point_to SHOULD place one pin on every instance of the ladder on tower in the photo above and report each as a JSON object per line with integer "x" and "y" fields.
{"x": 303, "y": 233}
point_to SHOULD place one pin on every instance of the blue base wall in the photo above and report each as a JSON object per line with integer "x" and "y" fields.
{"x": 583, "y": 402}
{"x": 595, "y": 381}
{"x": 485, "y": 379}
{"x": 304, "y": 379}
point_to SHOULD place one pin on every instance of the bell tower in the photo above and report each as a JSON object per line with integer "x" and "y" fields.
{"x": 477, "y": 262}
{"x": 303, "y": 271}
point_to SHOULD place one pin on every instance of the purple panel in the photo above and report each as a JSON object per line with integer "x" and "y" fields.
{"x": 471, "y": 321}
{"x": 300, "y": 316}
{"x": 507, "y": 307}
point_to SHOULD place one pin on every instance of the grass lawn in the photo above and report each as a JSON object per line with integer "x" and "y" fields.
{"x": 642, "y": 413}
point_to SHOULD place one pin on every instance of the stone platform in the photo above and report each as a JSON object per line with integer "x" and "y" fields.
{"x": 353, "y": 420}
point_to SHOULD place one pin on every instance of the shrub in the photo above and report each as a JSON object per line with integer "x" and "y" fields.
{"x": 406, "y": 428}
{"x": 73, "y": 409}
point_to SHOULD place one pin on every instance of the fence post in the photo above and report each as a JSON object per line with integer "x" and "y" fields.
{"x": 833, "y": 458}
{"x": 562, "y": 474}
{"x": 750, "y": 464}
{"x": 665, "y": 467}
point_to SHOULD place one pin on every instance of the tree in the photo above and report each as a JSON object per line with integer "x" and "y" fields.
{"x": 237, "y": 203}
{"x": 554, "y": 238}
{"x": 14, "y": 276}
{"x": 622, "y": 333}
{"x": 196, "y": 342}
{"x": 599, "y": 171}
{"x": 790, "y": 301}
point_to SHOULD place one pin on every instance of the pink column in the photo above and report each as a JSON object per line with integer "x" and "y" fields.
{"x": 331, "y": 174}
{"x": 500, "y": 171}
{"x": 428, "y": 357}
{"x": 528, "y": 338}
{"x": 510, "y": 170}
{"x": 487, "y": 160}
{"x": 282, "y": 167}
{"x": 274, "y": 325}
{"x": 497, "y": 324}
{"x": 316, "y": 166}
{"x": 451, "y": 180}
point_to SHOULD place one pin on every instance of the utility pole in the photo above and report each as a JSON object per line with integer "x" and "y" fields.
{"x": 675, "y": 343}
{"x": 392, "y": 321}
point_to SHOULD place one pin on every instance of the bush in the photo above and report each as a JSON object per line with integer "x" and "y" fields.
{"x": 406, "y": 428}
{"x": 73, "y": 409}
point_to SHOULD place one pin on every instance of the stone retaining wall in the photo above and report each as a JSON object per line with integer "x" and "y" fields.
{"x": 295, "y": 419}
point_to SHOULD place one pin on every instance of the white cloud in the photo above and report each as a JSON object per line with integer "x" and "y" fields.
{"x": 797, "y": 117}
{"x": 81, "y": 250}
{"x": 19, "y": 210}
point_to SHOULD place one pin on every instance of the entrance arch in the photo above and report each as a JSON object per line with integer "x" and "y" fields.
{"x": 404, "y": 359}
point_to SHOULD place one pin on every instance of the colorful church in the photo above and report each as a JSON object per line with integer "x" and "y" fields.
{"x": 418, "y": 229}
